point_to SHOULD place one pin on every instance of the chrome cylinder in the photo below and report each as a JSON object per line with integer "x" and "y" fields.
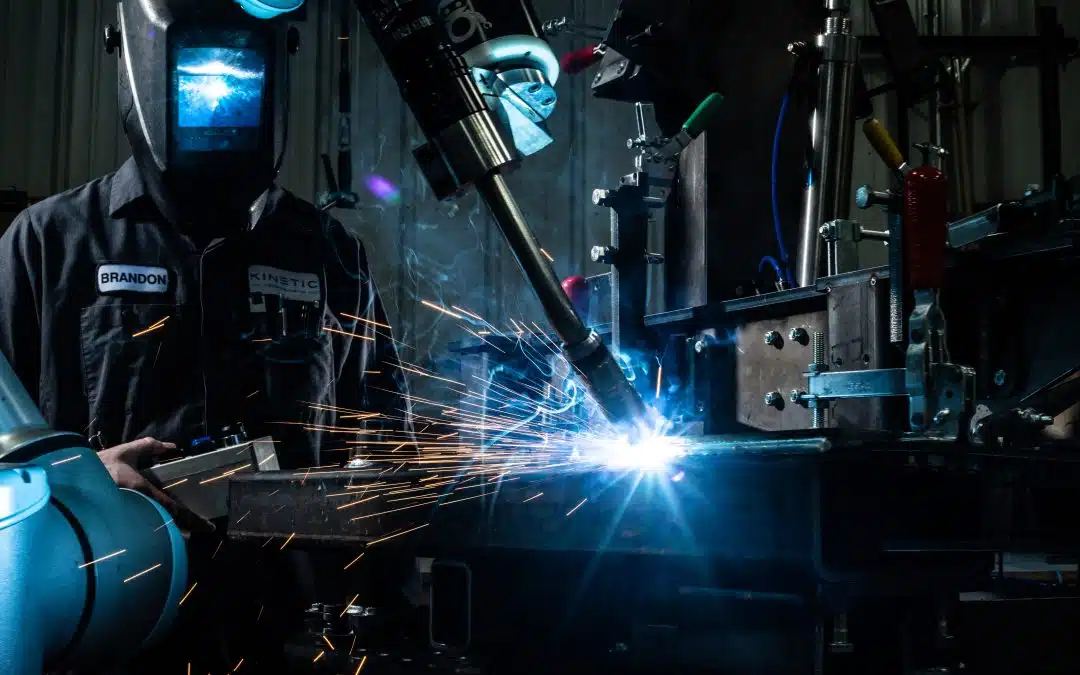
{"x": 828, "y": 191}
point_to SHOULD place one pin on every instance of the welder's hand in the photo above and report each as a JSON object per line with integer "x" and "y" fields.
{"x": 122, "y": 462}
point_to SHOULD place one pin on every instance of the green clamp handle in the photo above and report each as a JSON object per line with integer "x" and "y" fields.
{"x": 705, "y": 114}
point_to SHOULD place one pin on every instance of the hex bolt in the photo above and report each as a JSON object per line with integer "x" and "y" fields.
{"x": 798, "y": 397}
{"x": 774, "y": 339}
{"x": 840, "y": 643}
{"x": 773, "y": 399}
{"x": 605, "y": 255}
{"x": 1000, "y": 377}
{"x": 799, "y": 335}
{"x": 700, "y": 346}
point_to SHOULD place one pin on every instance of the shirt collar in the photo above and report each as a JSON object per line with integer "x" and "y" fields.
{"x": 127, "y": 188}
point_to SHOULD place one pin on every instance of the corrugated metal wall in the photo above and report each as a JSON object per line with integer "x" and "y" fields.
{"x": 59, "y": 128}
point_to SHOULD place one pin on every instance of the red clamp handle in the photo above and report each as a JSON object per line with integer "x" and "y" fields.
{"x": 580, "y": 59}
{"x": 925, "y": 233}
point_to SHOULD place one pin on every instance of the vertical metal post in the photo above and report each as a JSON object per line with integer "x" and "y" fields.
{"x": 1050, "y": 94}
{"x": 828, "y": 192}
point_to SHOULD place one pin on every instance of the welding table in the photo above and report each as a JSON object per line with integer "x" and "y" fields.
{"x": 791, "y": 527}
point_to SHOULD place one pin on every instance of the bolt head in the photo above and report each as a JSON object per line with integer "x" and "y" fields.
{"x": 599, "y": 197}
{"x": 699, "y": 346}
{"x": 773, "y": 399}
{"x": 1000, "y": 377}
{"x": 772, "y": 338}
{"x": 795, "y": 395}
{"x": 799, "y": 335}
{"x": 599, "y": 254}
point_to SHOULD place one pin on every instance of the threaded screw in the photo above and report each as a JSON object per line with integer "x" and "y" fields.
{"x": 819, "y": 348}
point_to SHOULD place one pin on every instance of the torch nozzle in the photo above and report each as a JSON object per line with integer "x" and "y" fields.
{"x": 602, "y": 375}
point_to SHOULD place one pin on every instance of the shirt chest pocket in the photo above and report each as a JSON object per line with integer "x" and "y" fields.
{"x": 297, "y": 377}
{"x": 140, "y": 366}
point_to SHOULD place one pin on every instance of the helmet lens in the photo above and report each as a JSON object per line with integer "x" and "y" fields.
{"x": 219, "y": 99}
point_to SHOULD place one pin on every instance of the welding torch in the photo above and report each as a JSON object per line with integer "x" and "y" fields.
{"x": 463, "y": 132}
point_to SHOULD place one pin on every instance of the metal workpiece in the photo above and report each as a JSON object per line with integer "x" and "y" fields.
{"x": 200, "y": 482}
{"x": 827, "y": 194}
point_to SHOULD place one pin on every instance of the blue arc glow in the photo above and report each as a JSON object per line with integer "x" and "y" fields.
{"x": 219, "y": 88}
{"x": 268, "y": 9}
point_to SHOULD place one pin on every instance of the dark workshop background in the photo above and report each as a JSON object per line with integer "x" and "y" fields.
{"x": 59, "y": 128}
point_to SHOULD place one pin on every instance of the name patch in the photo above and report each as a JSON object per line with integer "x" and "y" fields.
{"x": 132, "y": 279}
{"x": 299, "y": 286}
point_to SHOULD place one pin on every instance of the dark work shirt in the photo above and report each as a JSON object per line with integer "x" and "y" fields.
{"x": 119, "y": 323}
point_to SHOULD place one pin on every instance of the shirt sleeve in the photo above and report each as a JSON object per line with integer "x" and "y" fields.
{"x": 372, "y": 385}
{"x": 20, "y": 302}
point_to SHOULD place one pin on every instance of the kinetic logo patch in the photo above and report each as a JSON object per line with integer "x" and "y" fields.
{"x": 132, "y": 279}
{"x": 299, "y": 286}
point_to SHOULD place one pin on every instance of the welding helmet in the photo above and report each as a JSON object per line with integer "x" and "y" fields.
{"x": 203, "y": 86}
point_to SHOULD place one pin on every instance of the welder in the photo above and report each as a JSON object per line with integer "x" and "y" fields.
{"x": 185, "y": 292}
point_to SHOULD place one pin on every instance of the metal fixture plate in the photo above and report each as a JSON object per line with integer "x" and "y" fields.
{"x": 761, "y": 368}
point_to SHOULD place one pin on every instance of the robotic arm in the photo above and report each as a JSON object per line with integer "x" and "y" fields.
{"x": 439, "y": 53}
{"x": 88, "y": 571}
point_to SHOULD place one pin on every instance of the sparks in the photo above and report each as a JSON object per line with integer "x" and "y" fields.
{"x": 348, "y": 605}
{"x": 152, "y": 328}
{"x": 535, "y": 496}
{"x": 237, "y": 666}
{"x": 319, "y": 656}
{"x": 398, "y": 534}
{"x": 580, "y": 504}
{"x": 190, "y": 590}
{"x": 367, "y": 321}
{"x": 547, "y": 255}
{"x": 354, "y": 561}
{"x": 104, "y": 557}
{"x": 330, "y": 644}
{"x": 145, "y": 571}
{"x": 359, "y": 667}
{"x": 441, "y": 309}
{"x": 659, "y": 374}
{"x": 328, "y": 329}
{"x": 287, "y": 541}
{"x": 172, "y": 485}
{"x": 65, "y": 461}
